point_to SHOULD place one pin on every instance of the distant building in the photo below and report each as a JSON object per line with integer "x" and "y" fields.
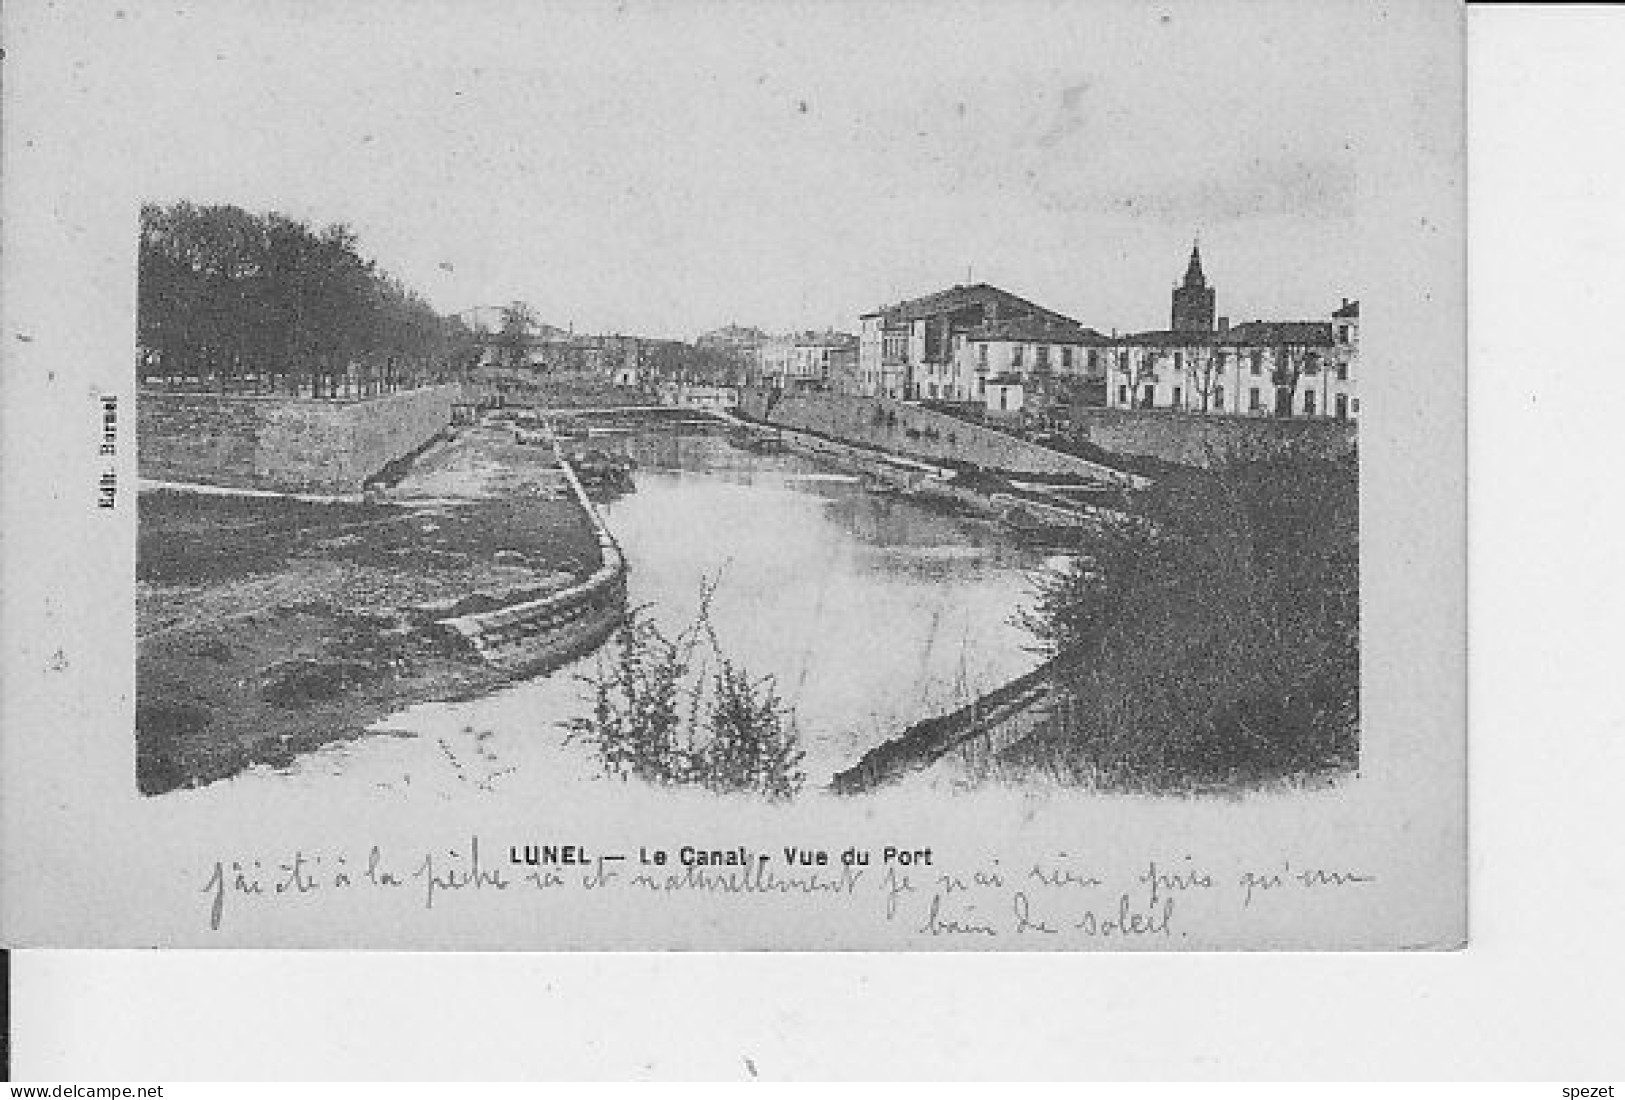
{"x": 804, "y": 361}
{"x": 1194, "y": 300}
{"x": 945, "y": 346}
{"x": 1004, "y": 395}
{"x": 844, "y": 377}
{"x": 542, "y": 347}
{"x": 738, "y": 347}
{"x": 1058, "y": 362}
{"x": 732, "y": 338}
{"x": 1258, "y": 368}
{"x": 695, "y": 396}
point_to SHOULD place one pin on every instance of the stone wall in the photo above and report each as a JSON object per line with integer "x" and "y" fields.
{"x": 291, "y": 444}
{"x": 1197, "y": 439}
{"x": 916, "y": 433}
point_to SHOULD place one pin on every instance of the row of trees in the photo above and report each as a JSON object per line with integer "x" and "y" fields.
{"x": 232, "y": 300}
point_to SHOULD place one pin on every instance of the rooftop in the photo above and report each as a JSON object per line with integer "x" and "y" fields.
{"x": 961, "y": 297}
{"x": 1038, "y": 330}
{"x": 1246, "y": 334}
{"x": 1274, "y": 333}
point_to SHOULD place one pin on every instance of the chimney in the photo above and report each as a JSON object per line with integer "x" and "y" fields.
{"x": 1224, "y": 324}
{"x": 1345, "y": 303}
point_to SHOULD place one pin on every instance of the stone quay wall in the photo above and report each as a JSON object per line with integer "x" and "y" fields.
{"x": 540, "y": 635}
{"x": 287, "y": 444}
{"x": 918, "y": 433}
{"x": 1197, "y": 439}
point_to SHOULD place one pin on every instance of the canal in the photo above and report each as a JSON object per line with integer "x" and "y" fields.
{"x": 870, "y": 612}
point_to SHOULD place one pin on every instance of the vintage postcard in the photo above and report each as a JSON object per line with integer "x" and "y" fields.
{"x": 957, "y": 476}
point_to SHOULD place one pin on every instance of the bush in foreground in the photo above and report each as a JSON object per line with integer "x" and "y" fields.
{"x": 1210, "y": 636}
{"x": 676, "y": 711}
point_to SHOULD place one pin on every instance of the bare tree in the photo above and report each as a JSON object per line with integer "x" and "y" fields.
{"x": 1142, "y": 373}
{"x": 1206, "y": 370}
{"x": 1292, "y": 362}
{"x": 518, "y": 322}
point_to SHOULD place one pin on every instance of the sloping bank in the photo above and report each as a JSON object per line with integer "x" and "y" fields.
{"x": 541, "y": 634}
{"x": 915, "y": 433}
{"x": 271, "y": 626}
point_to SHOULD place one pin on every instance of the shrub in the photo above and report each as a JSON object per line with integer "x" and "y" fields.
{"x": 663, "y": 714}
{"x": 1211, "y": 635}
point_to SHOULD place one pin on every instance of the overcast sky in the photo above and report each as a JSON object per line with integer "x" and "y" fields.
{"x": 667, "y": 168}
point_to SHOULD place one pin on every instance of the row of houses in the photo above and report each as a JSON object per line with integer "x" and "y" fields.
{"x": 978, "y": 343}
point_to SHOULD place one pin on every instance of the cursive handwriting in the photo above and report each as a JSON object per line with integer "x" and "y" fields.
{"x": 1053, "y": 898}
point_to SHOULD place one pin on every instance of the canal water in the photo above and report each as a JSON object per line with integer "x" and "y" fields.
{"x": 869, "y": 611}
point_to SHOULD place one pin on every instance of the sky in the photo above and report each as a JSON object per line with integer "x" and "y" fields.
{"x": 665, "y": 168}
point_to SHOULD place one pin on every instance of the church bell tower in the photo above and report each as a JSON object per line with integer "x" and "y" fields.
{"x": 1193, "y": 299}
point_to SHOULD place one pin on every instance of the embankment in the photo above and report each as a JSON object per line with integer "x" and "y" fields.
{"x": 269, "y": 626}
{"x": 979, "y": 730}
{"x": 918, "y": 433}
{"x": 538, "y": 635}
{"x": 288, "y": 444}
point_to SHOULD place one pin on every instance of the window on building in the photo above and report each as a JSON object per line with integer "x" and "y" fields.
{"x": 1066, "y": 358}
{"x": 1255, "y": 400}
{"x": 1179, "y": 362}
{"x": 1257, "y": 363}
{"x": 1017, "y": 353}
{"x": 1177, "y": 395}
{"x": 1309, "y": 403}
{"x": 1122, "y": 361}
{"x": 1122, "y": 396}
{"x": 1218, "y": 398}
{"x": 1094, "y": 361}
{"x": 1043, "y": 357}
{"x": 1342, "y": 406}
{"x": 1343, "y": 371}
{"x": 981, "y": 356}
{"x": 1149, "y": 399}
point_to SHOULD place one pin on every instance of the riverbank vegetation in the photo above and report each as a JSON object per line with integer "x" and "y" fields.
{"x": 1211, "y": 636}
{"x": 678, "y": 712}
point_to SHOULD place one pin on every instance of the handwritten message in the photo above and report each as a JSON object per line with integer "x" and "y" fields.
{"x": 1057, "y": 897}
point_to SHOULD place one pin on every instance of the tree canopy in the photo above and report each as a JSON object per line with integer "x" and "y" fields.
{"x": 234, "y": 300}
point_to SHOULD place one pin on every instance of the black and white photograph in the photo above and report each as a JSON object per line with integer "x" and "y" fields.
{"x": 722, "y": 476}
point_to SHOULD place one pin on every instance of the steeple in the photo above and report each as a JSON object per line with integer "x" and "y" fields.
{"x": 1194, "y": 299}
{"x": 1193, "y": 272}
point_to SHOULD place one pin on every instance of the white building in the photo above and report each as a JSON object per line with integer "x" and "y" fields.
{"x": 1258, "y": 368}
{"x": 943, "y": 346}
{"x": 1004, "y": 395}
